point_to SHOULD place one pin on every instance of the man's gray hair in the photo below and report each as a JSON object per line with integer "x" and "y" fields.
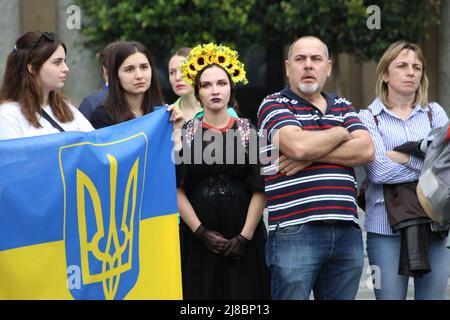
{"x": 314, "y": 37}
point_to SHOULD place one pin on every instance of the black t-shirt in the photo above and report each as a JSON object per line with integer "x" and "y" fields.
{"x": 100, "y": 118}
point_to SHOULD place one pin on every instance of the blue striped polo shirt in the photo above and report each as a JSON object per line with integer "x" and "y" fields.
{"x": 322, "y": 191}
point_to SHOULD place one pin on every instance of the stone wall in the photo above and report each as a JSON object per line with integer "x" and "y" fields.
{"x": 11, "y": 29}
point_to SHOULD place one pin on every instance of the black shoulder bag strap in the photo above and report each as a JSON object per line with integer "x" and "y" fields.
{"x": 52, "y": 122}
{"x": 429, "y": 114}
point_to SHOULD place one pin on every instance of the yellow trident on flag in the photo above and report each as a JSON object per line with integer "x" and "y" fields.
{"x": 113, "y": 264}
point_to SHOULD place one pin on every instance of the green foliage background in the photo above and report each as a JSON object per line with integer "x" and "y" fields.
{"x": 163, "y": 25}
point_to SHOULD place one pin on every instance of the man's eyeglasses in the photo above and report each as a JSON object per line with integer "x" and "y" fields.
{"x": 50, "y": 36}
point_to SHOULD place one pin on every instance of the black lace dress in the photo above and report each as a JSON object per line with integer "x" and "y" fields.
{"x": 220, "y": 194}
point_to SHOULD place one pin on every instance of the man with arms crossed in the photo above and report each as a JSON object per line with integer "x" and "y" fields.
{"x": 315, "y": 242}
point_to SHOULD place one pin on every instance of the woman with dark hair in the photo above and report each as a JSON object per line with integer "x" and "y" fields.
{"x": 134, "y": 89}
{"x": 30, "y": 101}
{"x": 221, "y": 195}
{"x": 187, "y": 101}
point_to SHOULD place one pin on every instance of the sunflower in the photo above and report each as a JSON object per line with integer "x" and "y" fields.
{"x": 232, "y": 63}
{"x": 239, "y": 74}
{"x": 222, "y": 59}
{"x": 195, "y": 51}
{"x": 209, "y": 48}
{"x": 188, "y": 69}
{"x": 192, "y": 66}
{"x": 203, "y": 55}
{"x": 201, "y": 61}
{"x": 190, "y": 79}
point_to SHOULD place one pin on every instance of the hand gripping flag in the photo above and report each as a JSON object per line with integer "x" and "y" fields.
{"x": 90, "y": 215}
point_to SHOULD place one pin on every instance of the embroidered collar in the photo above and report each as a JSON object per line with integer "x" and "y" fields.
{"x": 229, "y": 125}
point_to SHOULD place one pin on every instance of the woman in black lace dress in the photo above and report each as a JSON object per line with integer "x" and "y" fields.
{"x": 220, "y": 190}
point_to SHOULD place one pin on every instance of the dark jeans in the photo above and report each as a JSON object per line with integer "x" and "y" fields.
{"x": 325, "y": 258}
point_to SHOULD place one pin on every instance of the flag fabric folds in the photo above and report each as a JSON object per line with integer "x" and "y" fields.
{"x": 91, "y": 215}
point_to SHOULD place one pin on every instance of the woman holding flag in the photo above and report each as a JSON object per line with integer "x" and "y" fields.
{"x": 134, "y": 88}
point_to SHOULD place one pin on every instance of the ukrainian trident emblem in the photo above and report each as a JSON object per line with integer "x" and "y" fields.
{"x": 103, "y": 193}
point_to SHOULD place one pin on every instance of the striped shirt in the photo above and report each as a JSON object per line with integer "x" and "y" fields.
{"x": 390, "y": 132}
{"x": 321, "y": 191}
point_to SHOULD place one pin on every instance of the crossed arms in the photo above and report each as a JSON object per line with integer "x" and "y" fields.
{"x": 336, "y": 145}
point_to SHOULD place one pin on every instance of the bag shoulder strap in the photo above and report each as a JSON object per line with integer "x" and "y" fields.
{"x": 52, "y": 122}
{"x": 429, "y": 113}
{"x": 430, "y": 116}
{"x": 374, "y": 117}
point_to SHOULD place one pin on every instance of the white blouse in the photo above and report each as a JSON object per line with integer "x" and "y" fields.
{"x": 13, "y": 123}
{"x": 390, "y": 132}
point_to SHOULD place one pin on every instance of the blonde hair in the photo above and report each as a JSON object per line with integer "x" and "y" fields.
{"x": 390, "y": 55}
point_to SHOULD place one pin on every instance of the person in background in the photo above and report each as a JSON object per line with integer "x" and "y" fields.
{"x": 92, "y": 101}
{"x": 400, "y": 113}
{"x": 187, "y": 102}
{"x": 30, "y": 100}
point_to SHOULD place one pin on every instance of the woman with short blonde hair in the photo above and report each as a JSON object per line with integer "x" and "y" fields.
{"x": 401, "y": 113}
{"x": 381, "y": 89}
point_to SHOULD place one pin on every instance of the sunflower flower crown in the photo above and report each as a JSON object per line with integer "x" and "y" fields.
{"x": 204, "y": 55}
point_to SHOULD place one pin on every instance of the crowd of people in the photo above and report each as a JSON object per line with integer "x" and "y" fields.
{"x": 313, "y": 241}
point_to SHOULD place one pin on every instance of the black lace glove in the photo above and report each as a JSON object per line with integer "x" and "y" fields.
{"x": 213, "y": 240}
{"x": 236, "y": 247}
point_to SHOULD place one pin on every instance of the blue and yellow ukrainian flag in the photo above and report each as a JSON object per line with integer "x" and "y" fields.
{"x": 90, "y": 215}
